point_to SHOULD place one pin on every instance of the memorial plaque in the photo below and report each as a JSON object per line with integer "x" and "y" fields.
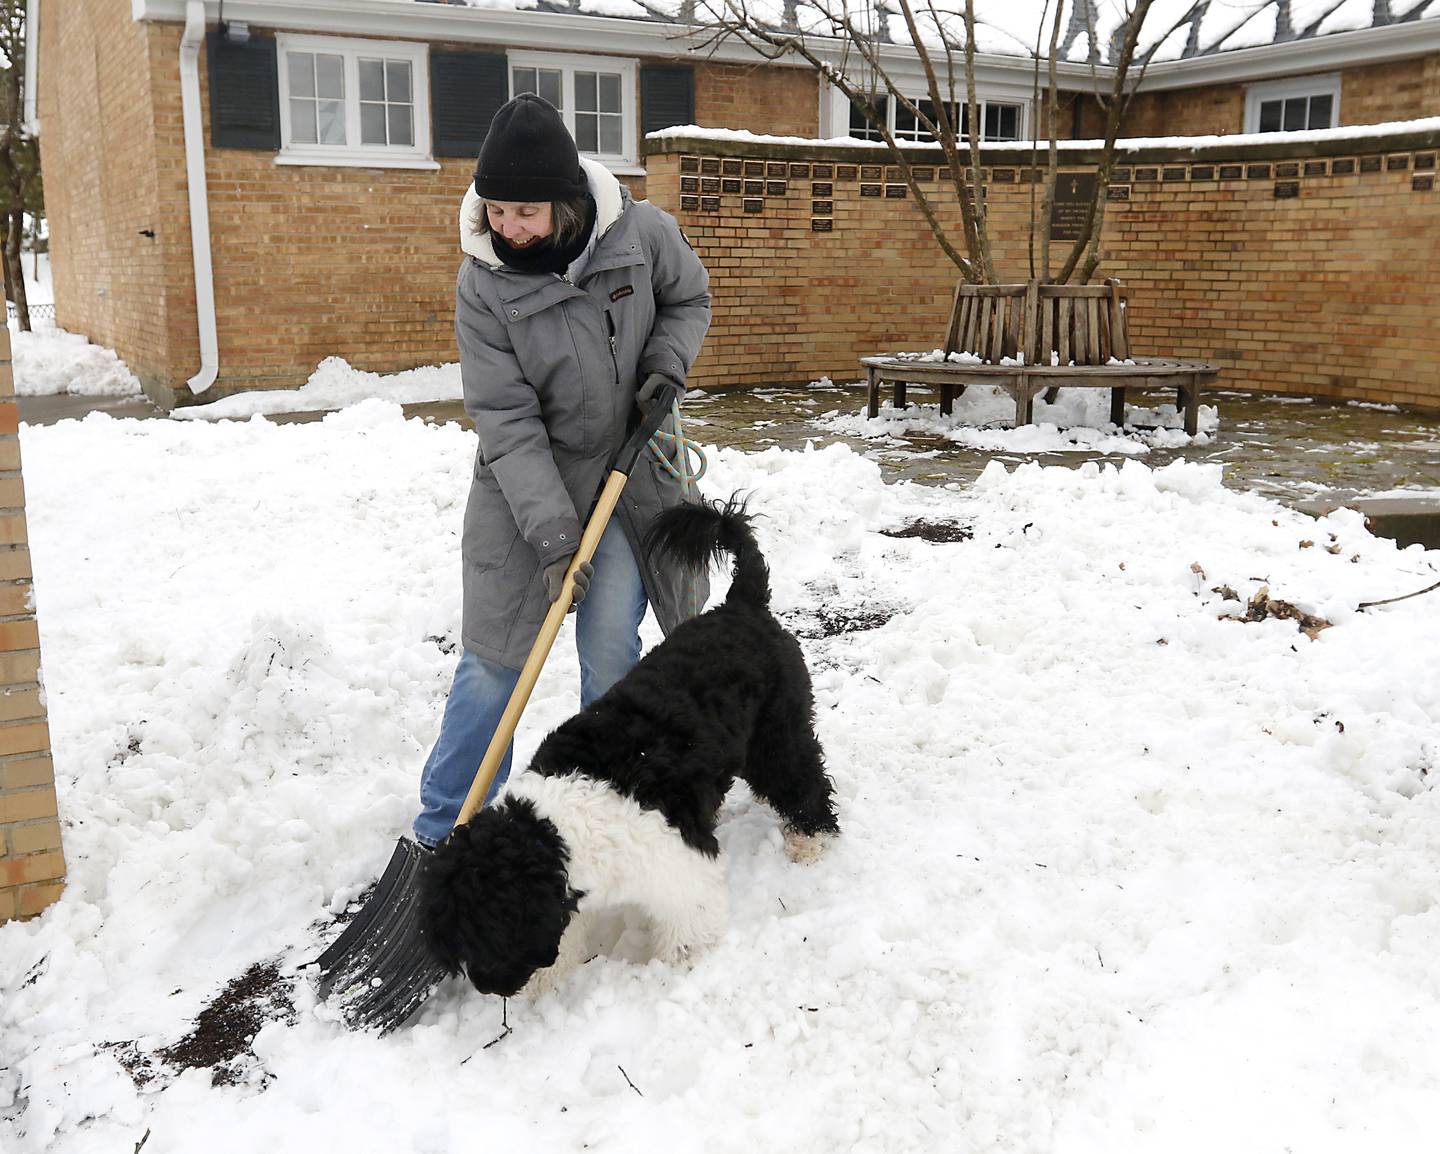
{"x": 1173, "y": 174}
{"x": 689, "y": 184}
{"x": 822, "y": 207}
{"x": 923, "y": 175}
{"x": 730, "y": 184}
{"x": 689, "y": 164}
{"x": 1120, "y": 176}
{"x": 1144, "y": 174}
{"x": 775, "y": 169}
{"x": 710, "y": 184}
{"x": 824, "y": 224}
{"x": 1342, "y": 167}
{"x": 1422, "y": 183}
{"x": 710, "y": 166}
{"x": 1073, "y": 193}
{"x": 1314, "y": 168}
{"x": 846, "y": 172}
{"x": 870, "y": 190}
{"x": 1257, "y": 172}
{"x": 774, "y": 188}
{"x": 822, "y": 171}
{"x": 897, "y": 191}
{"x": 1287, "y": 189}
{"x": 689, "y": 203}
{"x": 754, "y": 188}
{"x": 1202, "y": 172}
{"x": 1425, "y": 160}
{"x": 754, "y": 168}
{"x": 1004, "y": 176}
{"x": 1369, "y": 164}
{"x": 1287, "y": 171}
{"x": 1117, "y": 192}
{"x": 709, "y": 204}
{"x": 872, "y": 171}
{"x": 799, "y": 171}
{"x": 1231, "y": 172}
{"x": 821, "y": 188}
{"x": 730, "y": 168}
{"x": 754, "y": 205}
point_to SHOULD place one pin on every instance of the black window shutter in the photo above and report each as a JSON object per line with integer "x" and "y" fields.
{"x": 244, "y": 93}
{"x": 466, "y": 90}
{"x": 667, "y": 96}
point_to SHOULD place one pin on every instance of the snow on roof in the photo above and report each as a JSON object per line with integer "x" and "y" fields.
{"x": 1090, "y": 29}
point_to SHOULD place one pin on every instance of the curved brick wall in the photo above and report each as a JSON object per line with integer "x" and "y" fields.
{"x": 1300, "y": 268}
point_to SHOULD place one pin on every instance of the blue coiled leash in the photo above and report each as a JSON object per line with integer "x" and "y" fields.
{"x": 676, "y": 462}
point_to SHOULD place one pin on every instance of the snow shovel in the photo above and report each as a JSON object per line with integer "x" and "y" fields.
{"x": 380, "y": 970}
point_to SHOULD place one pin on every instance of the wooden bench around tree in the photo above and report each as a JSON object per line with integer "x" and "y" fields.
{"x": 1038, "y": 338}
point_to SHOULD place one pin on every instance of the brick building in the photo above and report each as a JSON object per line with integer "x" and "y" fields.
{"x": 218, "y": 217}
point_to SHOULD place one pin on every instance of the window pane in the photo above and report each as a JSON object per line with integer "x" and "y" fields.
{"x": 587, "y": 135}
{"x": 522, "y": 80}
{"x": 906, "y": 126}
{"x": 1295, "y": 114}
{"x": 301, "y": 66}
{"x": 302, "y": 121}
{"x": 1321, "y": 111}
{"x": 1270, "y": 115}
{"x": 612, "y": 136}
{"x": 372, "y": 79}
{"x": 330, "y": 119}
{"x": 585, "y": 97}
{"x": 551, "y": 87}
{"x": 397, "y": 81}
{"x": 861, "y": 128}
{"x": 372, "y": 124}
{"x": 330, "y": 76}
{"x": 610, "y": 93}
{"x": 402, "y": 131}
{"x": 1008, "y": 127}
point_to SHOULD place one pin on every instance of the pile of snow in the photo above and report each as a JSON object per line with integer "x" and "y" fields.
{"x": 1118, "y": 872}
{"x": 335, "y": 385}
{"x": 983, "y": 418}
{"x": 49, "y": 361}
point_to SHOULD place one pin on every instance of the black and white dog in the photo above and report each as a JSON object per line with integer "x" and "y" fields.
{"x": 621, "y": 801}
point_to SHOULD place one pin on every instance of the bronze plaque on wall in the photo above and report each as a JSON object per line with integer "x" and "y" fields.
{"x": 1073, "y": 193}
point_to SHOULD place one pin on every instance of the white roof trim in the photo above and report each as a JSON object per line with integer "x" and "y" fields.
{"x": 562, "y": 31}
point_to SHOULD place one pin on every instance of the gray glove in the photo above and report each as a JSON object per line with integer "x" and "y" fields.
{"x": 651, "y": 388}
{"x": 555, "y": 580}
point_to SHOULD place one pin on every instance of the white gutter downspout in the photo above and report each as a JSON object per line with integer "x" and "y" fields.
{"x": 199, "y": 195}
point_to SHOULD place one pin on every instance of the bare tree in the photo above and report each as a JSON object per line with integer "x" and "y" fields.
{"x": 20, "y": 186}
{"x": 848, "y": 43}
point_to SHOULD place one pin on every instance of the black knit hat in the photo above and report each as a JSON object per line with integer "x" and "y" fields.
{"x": 529, "y": 155}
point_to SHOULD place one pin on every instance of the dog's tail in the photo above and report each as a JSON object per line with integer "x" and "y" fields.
{"x": 698, "y": 536}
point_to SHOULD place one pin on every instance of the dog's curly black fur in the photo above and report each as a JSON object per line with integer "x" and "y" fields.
{"x": 726, "y": 695}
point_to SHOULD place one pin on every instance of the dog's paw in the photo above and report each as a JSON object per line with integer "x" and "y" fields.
{"x": 804, "y": 848}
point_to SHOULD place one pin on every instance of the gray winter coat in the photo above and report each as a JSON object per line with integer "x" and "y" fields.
{"x": 550, "y": 372}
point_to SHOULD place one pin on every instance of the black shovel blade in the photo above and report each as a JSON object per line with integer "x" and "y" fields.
{"x": 380, "y": 971}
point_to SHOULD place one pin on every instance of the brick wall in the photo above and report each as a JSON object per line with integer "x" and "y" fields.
{"x": 102, "y": 176}
{"x": 778, "y": 101}
{"x": 1306, "y": 273}
{"x": 32, "y": 867}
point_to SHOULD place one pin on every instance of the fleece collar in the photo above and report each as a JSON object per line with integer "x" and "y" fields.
{"x": 603, "y": 187}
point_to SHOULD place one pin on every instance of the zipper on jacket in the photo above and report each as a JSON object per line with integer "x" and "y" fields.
{"x": 614, "y": 355}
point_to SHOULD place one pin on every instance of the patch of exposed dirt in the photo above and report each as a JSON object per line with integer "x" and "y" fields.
{"x": 814, "y": 623}
{"x": 939, "y": 532}
{"x": 225, "y": 1028}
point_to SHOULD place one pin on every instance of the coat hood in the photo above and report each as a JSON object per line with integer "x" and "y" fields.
{"x": 603, "y": 187}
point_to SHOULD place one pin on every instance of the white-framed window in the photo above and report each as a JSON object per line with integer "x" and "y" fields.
{"x": 353, "y": 102}
{"x": 1293, "y": 105}
{"x": 596, "y": 96}
{"x": 999, "y": 119}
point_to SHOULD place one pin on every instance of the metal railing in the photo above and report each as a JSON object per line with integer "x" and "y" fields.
{"x": 37, "y": 312}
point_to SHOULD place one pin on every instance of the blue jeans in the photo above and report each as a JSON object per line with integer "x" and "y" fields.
{"x": 607, "y": 635}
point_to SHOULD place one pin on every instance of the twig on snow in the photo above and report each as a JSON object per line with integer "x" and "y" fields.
{"x": 1403, "y": 597}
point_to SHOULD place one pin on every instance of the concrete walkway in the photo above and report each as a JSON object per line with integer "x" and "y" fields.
{"x": 1312, "y": 455}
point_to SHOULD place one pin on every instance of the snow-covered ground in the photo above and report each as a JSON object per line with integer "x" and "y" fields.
{"x": 1119, "y": 871}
